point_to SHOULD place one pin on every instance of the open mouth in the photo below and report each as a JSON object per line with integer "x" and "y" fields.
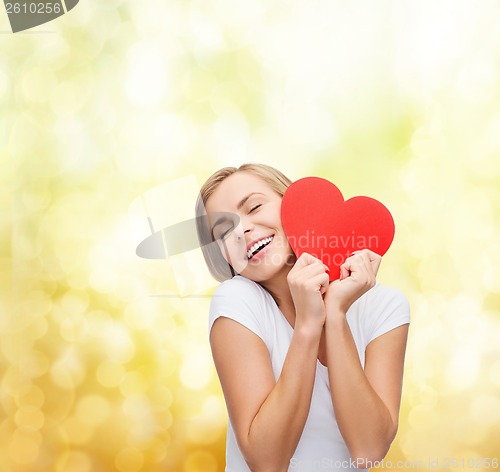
{"x": 258, "y": 246}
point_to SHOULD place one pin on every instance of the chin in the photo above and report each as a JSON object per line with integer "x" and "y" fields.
{"x": 263, "y": 273}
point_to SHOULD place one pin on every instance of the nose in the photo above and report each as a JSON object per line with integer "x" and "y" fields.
{"x": 246, "y": 225}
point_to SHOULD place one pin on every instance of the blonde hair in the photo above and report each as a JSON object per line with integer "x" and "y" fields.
{"x": 218, "y": 266}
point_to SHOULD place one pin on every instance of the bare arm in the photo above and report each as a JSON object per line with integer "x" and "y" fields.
{"x": 268, "y": 416}
{"x": 366, "y": 402}
{"x": 261, "y": 410}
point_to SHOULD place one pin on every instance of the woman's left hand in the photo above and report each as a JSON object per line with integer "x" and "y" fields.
{"x": 357, "y": 276}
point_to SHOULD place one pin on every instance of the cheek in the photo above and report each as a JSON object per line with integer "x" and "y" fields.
{"x": 225, "y": 250}
{"x": 231, "y": 249}
{"x": 272, "y": 218}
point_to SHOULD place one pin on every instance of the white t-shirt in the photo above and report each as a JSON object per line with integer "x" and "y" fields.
{"x": 321, "y": 446}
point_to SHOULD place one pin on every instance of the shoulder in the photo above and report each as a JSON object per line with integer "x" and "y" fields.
{"x": 385, "y": 296}
{"x": 383, "y": 309}
{"x": 241, "y": 300}
{"x": 239, "y": 291}
{"x": 238, "y": 285}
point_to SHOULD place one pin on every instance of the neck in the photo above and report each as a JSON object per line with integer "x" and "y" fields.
{"x": 280, "y": 291}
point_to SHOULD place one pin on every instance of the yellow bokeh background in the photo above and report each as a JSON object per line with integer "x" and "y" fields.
{"x": 112, "y": 116}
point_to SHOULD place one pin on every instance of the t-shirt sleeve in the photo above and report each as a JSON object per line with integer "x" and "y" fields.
{"x": 387, "y": 309}
{"x": 241, "y": 300}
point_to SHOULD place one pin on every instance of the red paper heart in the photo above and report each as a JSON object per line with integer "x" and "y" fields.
{"x": 317, "y": 220}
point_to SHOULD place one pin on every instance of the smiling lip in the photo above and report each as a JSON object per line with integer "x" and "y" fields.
{"x": 263, "y": 250}
{"x": 257, "y": 240}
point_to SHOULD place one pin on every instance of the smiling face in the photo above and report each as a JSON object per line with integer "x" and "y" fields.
{"x": 244, "y": 216}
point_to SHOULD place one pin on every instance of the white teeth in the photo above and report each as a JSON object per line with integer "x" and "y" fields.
{"x": 257, "y": 245}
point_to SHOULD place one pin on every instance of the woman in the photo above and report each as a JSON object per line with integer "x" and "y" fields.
{"x": 311, "y": 371}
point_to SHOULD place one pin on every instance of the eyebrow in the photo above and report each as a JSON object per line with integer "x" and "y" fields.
{"x": 238, "y": 206}
{"x": 244, "y": 200}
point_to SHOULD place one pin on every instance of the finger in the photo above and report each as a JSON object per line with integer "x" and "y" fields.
{"x": 302, "y": 261}
{"x": 356, "y": 264}
{"x": 309, "y": 272}
{"x": 313, "y": 259}
{"x": 362, "y": 256}
{"x": 375, "y": 260}
{"x": 373, "y": 256}
{"x": 308, "y": 261}
{"x": 372, "y": 259}
{"x": 323, "y": 282}
{"x": 344, "y": 272}
{"x": 355, "y": 259}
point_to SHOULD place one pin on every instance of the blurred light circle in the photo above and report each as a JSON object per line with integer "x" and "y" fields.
{"x": 228, "y": 98}
{"x": 129, "y": 460}
{"x": 32, "y": 397}
{"x": 29, "y": 418}
{"x": 142, "y": 314}
{"x": 93, "y": 410}
{"x": 74, "y": 461}
{"x": 198, "y": 84}
{"x": 422, "y": 417}
{"x": 69, "y": 370}
{"x": 109, "y": 374}
{"x": 164, "y": 417}
{"x": 463, "y": 368}
{"x": 97, "y": 321}
{"x": 119, "y": 345}
{"x": 208, "y": 426}
{"x": 34, "y": 364}
{"x": 77, "y": 432}
{"x": 103, "y": 279}
{"x": 67, "y": 99}
{"x": 36, "y": 82}
{"x": 477, "y": 83}
{"x": 137, "y": 407}
{"x": 146, "y": 78}
{"x": 162, "y": 395}
{"x": 495, "y": 373}
{"x": 158, "y": 450}
{"x": 195, "y": 371}
{"x": 133, "y": 382}
{"x": 14, "y": 383}
{"x": 200, "y": 461}
{"x": 74, "y": 302}
{"x": 73, "y": 328}
{"x": 24, "y": 136}
{"x": 36, "y": 198}
{"x": 4, "y": 83}
{"x": 424, "y": 395}
{"x": 416, "y": 443}
{"x": 476, "y": 433}
{"x": 24, "y": 446}
{"x": 485, "y": 410}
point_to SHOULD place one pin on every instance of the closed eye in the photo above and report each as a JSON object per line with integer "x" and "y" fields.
{"x": 255, "y": 207}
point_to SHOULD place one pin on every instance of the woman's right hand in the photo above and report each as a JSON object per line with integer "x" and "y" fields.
{"x": 308, "y": 281}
